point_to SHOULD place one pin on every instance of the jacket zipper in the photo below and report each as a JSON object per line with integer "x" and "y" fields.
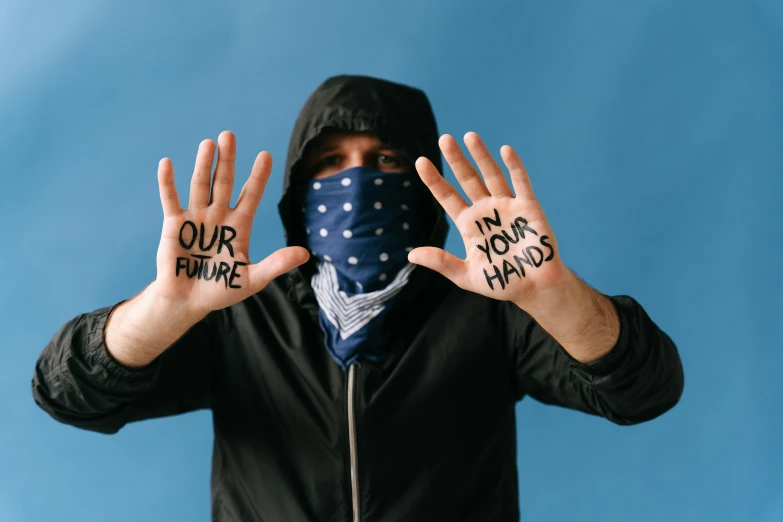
{"x": 352, "y": 442}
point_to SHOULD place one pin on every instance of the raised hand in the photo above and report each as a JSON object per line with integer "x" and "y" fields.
{"x": 202, "y": 259}
{"x": 511, "y": 252}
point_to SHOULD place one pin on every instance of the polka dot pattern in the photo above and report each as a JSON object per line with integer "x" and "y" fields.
{"x": 363, "y": 224}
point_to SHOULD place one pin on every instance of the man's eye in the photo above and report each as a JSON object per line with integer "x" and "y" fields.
{"x": 385, "y": 159}
{"x": 328, "y": 161}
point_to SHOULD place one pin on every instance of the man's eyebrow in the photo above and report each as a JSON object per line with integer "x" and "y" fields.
{"x": 318, "y": 150}
{"x": 322, "y": 147}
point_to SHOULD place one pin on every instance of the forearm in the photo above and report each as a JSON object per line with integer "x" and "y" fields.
{"x": 140, "y": 329}
{"x": 582, "y": 320}
{"x": 79, "y": 382}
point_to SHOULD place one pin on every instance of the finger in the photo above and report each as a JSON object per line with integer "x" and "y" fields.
{"x": 275, "y": 265}
{"x": 446, "y": 264}
{"x": 168, "y": 191}
{"x": 466, "y": 175}
{"x": 199, "y": 183}
{"x": 253, "y": 190}
{"x": 444, "y": 192}
{"x": 519, "y": 178}
{"x": 492, "y": 174}
{"x": 223, "y": 182}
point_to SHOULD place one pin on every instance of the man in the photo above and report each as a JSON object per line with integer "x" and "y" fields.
{"x": 347, "y": 383}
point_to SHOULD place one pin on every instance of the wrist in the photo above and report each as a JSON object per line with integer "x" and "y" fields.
{"x": 556, "y": 299}
{"x": 580, "y": 318}
{"x": 173, "y": 311}
{"x": 139, "y": 330}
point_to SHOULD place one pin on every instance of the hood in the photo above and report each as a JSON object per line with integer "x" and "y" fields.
{"x": 401, "y": 117}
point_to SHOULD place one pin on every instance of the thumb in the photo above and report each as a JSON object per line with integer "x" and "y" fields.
{"x": 275, "y": 264}
{"x": 448, "y": 265}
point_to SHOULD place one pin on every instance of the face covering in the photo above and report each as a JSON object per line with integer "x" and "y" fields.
{"x": 360, "y": 226}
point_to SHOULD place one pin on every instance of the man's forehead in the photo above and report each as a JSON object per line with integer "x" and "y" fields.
{"x": 334, "y": 139}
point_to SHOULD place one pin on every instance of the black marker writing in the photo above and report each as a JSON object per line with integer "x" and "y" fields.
{"x": 551, "y": 250}
{"x": 490, "y": 221}
{"x": 508, "y": 237}
{"x": 502, "y": 242}
{"x": 223, "y": 271}
{"x": 205, "y": 273}
{"x": 226, "y": 241}
{"x": 199, "y": 265}
{"x": 497, "y": 276}
{"x": 192, "y": 231}
{"x": 211, "y": 241}
{"x": 508, "y": 268}
{"x": 494, "y": 242}
{"x": 486, "y": 250}
{"x": 520, "y": 261}
{"x": 201, "y": 259}
{"x": 193, "y": 234}
{"x": 234, "y": 274}
{"x": 530, "y": 251}
{"x": 523, "y": 226}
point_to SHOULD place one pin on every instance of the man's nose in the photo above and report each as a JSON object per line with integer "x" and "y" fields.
{"x": 358, "y": 160}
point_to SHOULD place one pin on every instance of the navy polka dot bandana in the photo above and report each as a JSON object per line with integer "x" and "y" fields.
{"x": 360, "y": 227}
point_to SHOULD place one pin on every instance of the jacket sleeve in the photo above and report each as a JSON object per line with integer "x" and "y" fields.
{"x": 78, "y": 382}
{"x": 638, "y": 380}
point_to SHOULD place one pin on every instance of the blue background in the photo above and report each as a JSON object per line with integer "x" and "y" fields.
{"x": 652, "y": 131}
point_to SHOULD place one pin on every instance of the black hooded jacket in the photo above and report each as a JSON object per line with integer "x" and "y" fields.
{"x": 428, "y": 434}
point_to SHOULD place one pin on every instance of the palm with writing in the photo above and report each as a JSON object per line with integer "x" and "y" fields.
{"x": 202, "y": 258}
{"x": 511, "y": 252}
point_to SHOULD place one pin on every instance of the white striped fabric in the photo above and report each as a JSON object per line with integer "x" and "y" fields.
{"x": 349, "y": 314}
